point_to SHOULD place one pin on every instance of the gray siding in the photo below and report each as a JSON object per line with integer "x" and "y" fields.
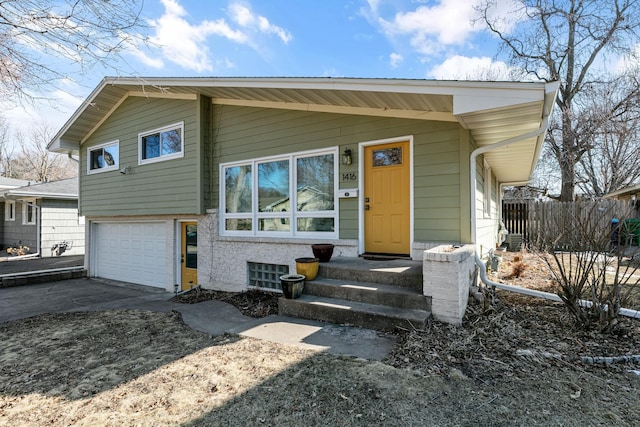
{"x": 15, "y": 233}
{"x": 243, "y": 133}
{"x": 60, "y": 223}
{"x": 166, "y": 187}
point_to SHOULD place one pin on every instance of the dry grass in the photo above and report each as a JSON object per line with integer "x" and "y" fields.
{"x": 516, "y": 362}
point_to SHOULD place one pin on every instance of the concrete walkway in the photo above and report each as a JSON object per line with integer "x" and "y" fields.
{"x": 211, "y": 317}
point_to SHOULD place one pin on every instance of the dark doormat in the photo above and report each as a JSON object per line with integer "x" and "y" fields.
{"x": 384, "y": 257}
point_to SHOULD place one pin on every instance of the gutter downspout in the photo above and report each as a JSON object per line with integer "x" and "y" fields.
{"x": 481, "y": 266}
{"x": 482, "y": 150}
{"x": 472, "y": 189}
{"x": 541, "y": 294}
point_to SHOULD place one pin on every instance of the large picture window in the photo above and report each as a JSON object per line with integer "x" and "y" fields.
{"x": 103, "y": 157}
{"x": 283, "y": 196}
{"x": 161, "y": 144}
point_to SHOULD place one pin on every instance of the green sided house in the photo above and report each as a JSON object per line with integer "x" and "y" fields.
{"x": 224, "y": 182}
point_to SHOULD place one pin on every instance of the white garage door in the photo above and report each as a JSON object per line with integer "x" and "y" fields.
{"x": 132, "y": 252}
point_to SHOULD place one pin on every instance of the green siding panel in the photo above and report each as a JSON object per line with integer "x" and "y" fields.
{"x": 166, "y": 187}
{"x": 217, "y": 134}
{"x": 242, "y": 133}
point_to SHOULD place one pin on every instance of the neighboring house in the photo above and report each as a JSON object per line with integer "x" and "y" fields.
{"x": 261, "y": 168}
{"x": 10, "y": 183}
{"x": 44, "y": 218}
{"x": 525, "y": 193}
{"x": 630, "y": 194}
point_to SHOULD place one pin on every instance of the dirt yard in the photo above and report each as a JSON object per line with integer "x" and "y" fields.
{"x": 517, "y": 361}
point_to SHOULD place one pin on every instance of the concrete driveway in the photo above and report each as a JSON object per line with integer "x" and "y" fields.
{"x": 19, "y": 302}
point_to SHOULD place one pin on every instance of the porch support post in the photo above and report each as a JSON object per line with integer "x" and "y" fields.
{"x": 448, "y": 272}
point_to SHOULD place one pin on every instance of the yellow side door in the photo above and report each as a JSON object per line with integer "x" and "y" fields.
{"x": 189, "y": 255}
{"x": 387, "y": 193}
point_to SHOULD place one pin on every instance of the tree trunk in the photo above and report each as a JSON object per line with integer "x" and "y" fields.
{"x": 567, "y": 191}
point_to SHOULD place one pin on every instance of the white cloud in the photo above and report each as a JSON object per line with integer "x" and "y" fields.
{"x": 395, "y": 59}
{"x": 629, "y": 62}
{"x": 437, "y": 26}
{"x": 55, "y": 111}
{"x": 472, "y": 68}
{"x": 242, "y": 15}
{"x": 506, "y": 14}
{"x": 431, "y": 28}
{"x": 186, "y": 44}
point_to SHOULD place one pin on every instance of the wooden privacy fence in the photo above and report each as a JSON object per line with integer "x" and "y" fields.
{"x": 550, "y": 220}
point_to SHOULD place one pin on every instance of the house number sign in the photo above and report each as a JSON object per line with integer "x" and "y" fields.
{"x": 349, "y": 176}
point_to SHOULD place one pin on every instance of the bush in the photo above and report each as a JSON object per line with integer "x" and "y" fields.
{"x": 595, "y": 279}
{"x": 518, "y": 268}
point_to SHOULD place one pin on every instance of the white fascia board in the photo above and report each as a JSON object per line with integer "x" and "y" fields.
{"x": 63, "y": 146}
{"x": 474, "y": 99}
{"x": 486, "y": 100}
{"x": 433, "y": 87}
{"x": 26, "y": 195}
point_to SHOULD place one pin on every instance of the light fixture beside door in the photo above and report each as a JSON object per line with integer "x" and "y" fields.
{"x": 346, "y": 157}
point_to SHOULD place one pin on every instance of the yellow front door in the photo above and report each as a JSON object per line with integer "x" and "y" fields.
{"x": 387, "y": 219}
{"x": 189, "y": 255}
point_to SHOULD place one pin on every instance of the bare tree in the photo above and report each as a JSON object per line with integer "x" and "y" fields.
{"x": 34, "y": 162}
{"x": 6, "y": 150}
{"x": 568, "y": 41}
{"x": 613, "y": 161}
{"x": 33, "y": 33}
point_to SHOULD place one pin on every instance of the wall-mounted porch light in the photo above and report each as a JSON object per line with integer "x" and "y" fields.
{"x": 346, "y": 157}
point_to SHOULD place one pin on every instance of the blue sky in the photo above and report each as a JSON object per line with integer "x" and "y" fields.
{"x": 428, "y": 39}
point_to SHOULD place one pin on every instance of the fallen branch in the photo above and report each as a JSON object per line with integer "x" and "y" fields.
{"x": 609, "y": 360}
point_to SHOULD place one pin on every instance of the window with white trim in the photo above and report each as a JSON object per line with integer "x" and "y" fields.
{"x": 103, "y": 157}
{"x": 286, "y": 196}
{"x": 9, "y": 210}
{"x": 161, "y": 144}
{"x": 29, "y": 212}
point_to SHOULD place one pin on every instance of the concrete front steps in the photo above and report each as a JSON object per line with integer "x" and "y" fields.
{"x": 379, "y": 295}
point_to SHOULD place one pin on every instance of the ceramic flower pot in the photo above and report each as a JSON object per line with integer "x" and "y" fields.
{"x": 322, "y": 251}
{"x": 308, "y": 267}
{"x": 292, "y": 285}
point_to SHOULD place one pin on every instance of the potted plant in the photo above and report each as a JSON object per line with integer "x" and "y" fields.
{"x": 322, "y": 251}
{"x": 292, "y": 285}
{"x": 308, "y": 267}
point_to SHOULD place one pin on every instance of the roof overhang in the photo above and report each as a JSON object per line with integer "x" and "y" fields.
{"x": 17, "y": 195}
{"x": 491, "y": 111}
{"x": 627, "y": 191}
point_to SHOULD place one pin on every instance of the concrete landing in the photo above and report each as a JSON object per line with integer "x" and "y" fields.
{"x": 319, "y": 336}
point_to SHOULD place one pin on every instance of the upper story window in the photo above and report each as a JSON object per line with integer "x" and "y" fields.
{"x": 103, "y": 157}
{"x": 29, "y": 212}
{"x": 9, "y": 210}
{"x": 290, "y": 196}
{"x": 161, "y": 144}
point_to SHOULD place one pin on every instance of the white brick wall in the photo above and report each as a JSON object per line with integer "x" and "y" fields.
{"x": 222, "y": 261}
{"x": 447, "y": 274}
